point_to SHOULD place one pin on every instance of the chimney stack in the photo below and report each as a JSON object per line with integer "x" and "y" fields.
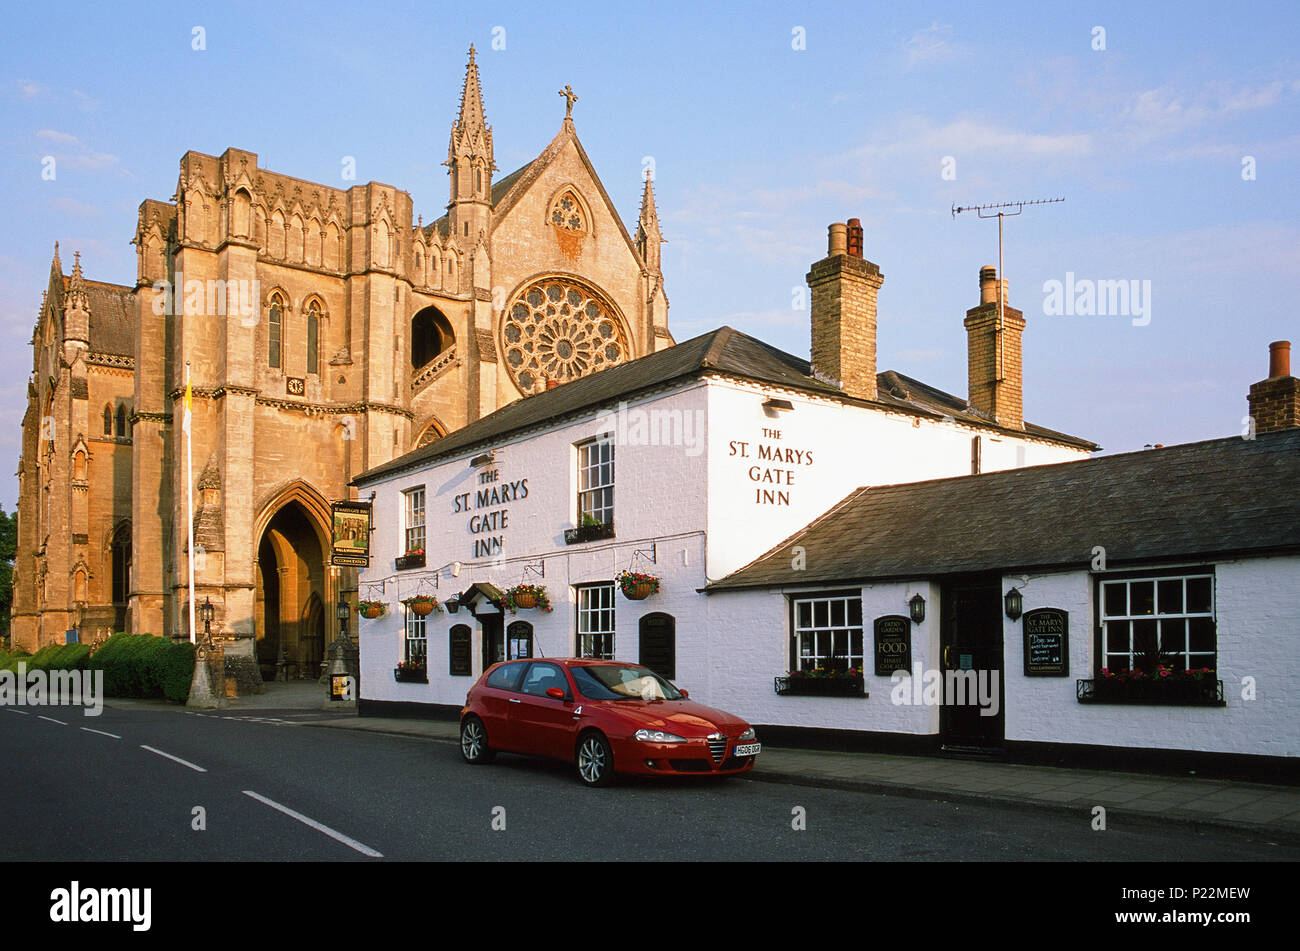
{"x": 844, "y": 286}
{"x": 1275, "y": 402}
{"x": 995, "y": 372}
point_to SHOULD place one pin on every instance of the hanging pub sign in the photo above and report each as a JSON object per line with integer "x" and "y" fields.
{"x": 350, "y": 547}
{"x": 1047, "y": 643}
{"x": 893, "y": 644}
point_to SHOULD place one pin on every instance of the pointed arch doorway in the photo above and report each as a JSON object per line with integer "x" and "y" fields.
{"x": 293, "y": 587}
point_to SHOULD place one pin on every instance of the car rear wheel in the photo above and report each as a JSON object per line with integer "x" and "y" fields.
{"x": 473, "y": 742}
{"x": 595, "y": 760}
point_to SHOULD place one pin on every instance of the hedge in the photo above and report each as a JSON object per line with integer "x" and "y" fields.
{"x": 60, "y": 657}
{"x": 9, "y": 659}
{"x": 142, "y": 665}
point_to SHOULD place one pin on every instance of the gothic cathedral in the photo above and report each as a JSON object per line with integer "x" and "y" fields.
{"x": 325, "y": 332}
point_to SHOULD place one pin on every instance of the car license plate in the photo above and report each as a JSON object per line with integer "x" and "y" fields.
{"x": 747, "y": 749}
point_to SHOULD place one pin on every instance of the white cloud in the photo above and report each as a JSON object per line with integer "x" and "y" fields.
{"x": 931, "y": 44}
{"x": 31, "y": 89}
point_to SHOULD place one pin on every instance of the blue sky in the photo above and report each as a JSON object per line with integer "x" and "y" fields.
{"x": 757, "y": 146}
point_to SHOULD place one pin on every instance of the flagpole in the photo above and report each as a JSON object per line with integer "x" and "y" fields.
{"x": 189, "y": 491}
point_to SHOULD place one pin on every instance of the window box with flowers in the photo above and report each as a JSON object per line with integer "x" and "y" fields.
{"x": 1163, "y": 686}
{"x": 525, "y": 596}
{"x": 637, "y": 586}
{"x": 412, "y": 559}
{"x": 590, "y": 530}
{"x": 422, "y": 605}
{"x": 822, "y": 682}
{"x": 411, "y": 672}
{"x": 371, "y": 609}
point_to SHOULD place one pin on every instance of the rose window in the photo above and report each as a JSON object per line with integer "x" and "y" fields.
{"x": 559, "y": 330}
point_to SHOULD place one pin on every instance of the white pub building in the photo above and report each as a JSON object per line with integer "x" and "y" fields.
{"x": 816, "y": 528}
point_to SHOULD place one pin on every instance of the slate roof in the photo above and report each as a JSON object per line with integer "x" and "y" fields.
{"x": 111, "y": 328}
{"x": 1192, "y": 502}
{"x": 724, "y": 351}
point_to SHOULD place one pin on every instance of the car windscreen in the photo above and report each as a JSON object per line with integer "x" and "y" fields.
{"x": 611, "y": 682}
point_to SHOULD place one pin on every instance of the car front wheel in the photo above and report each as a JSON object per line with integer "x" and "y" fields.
{"x": 473, "y": 742}
{"x": 595, "y": 760}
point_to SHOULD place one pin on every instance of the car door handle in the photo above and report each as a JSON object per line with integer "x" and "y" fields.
{"x": 515, "y": 700}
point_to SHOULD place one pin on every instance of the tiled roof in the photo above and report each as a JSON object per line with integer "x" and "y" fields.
{"x": 1196, "y": 502}
{"x": 724, "y": 351}
{"x": 112, "y": 329}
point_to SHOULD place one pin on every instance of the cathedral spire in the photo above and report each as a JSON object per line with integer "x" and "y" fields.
{"x": 469, "y": 159}
{"x": 648, "y": 235}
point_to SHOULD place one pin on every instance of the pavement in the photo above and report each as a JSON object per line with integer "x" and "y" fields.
{"x": 1272, "y": 811}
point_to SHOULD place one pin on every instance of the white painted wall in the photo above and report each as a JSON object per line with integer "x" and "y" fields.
{"x": 835, "y": 448}
{"x": 1257, "y": 603}
{"x": 657, "y": 507}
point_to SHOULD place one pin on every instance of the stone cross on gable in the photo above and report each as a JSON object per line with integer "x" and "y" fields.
{"x": 571, "y": 97}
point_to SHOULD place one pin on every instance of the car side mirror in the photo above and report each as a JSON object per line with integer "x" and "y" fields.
{"x": 684, "y": 692}
{"x": 555, "y": 693}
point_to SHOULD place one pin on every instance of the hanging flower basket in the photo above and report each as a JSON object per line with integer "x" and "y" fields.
{"x": 527, "y": 596}
{"x": 422, "y": 605}
{"x": 637, "y": 586}
{"x": 371, "y": 609}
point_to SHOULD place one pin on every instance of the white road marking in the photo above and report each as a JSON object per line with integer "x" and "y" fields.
{"x": 21, "y": 713}
{"x": 183, "y": 762}
{"x": 101, "y": 732}
{"x": 52, "y": 720}
{"x": 339, "y": 836}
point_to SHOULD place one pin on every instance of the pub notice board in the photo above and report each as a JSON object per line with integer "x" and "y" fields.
{"x": 1047, "y": 643}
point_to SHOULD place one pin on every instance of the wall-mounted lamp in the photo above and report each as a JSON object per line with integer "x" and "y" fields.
{"x": 917, "y": 608}
{"x": 482, "y": 459}
{"x": 1015, "y": 603}
{"x": 780, "y": 406}
{"x": 452, "y": 604}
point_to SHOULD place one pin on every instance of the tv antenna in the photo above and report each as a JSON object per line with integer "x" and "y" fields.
{"x": 995, "y": 211}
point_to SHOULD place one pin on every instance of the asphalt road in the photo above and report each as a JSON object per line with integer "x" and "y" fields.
{"x": 284, "y": 791}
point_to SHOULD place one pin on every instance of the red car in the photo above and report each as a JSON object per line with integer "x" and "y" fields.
{"x": 602, "y": 715}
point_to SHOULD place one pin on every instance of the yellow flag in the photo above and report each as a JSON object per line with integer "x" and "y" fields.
{"x": 185, "y": 420}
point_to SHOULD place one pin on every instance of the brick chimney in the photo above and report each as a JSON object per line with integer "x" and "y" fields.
{"x": 844, "y": 287}
{"x": 1275, "y": 402}
{"x": 995, "y": 373}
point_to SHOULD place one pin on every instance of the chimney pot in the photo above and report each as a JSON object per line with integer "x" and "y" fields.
{"x": 839, "y": 240}
{"x": 989, "y": 285}
{"x": 1279, "y": 359}
{"x": 855, "y": 238}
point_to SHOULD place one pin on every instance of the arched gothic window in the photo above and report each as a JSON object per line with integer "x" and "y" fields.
{"x": 108, "y": 420}
{"x": 121, "y": 420}
{"x": 275, "y": 329}
{"x": 313, "y": 337}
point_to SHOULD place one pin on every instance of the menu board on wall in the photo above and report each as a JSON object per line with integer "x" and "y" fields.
{"x": 893, "y": 644}
{"x": 1047, "y": 643}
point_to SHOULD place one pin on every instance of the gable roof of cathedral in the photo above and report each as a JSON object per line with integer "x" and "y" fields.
{"x": 723, "y": 351}
{"x": 507, "y": 191}
{"x": 1195, "y": 502}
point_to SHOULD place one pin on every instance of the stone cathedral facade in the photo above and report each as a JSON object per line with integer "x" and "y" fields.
{"x": 327, "y": 330}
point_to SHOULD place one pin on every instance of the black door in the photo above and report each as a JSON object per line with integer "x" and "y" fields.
{"x": 971, "y": 663}
{"x": 494, "y": 640}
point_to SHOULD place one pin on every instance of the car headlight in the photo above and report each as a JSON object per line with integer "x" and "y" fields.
{"x": 747, "y": 736}
{"x": 657, "y": 736}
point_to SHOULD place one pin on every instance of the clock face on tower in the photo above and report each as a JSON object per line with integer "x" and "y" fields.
{"x": 559, "y": 329}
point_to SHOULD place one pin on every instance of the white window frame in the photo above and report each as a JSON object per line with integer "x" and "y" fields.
{"x": 1174, "y": 620}
{"x": 415, "y": 637}
{"x": 815, "y": 629}
{"x": 596, "y": 620}
{"x": 413, "y": 519}
{"x": 596, "y": 480}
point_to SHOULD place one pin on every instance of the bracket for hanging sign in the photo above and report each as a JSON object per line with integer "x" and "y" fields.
{"x": 652, "y": 555}
{"x": 538, "y": 569}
